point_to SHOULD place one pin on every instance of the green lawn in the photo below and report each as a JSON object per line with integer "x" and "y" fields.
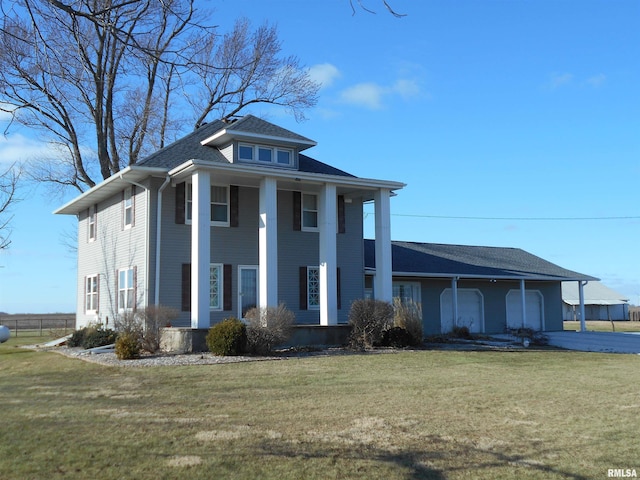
{"x": 421, "y": 414}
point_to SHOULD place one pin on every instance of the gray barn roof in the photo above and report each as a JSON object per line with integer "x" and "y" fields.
{"x": 433, "y": 260}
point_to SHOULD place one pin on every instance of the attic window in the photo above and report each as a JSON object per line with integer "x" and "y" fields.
{"x": 265, "y": 155}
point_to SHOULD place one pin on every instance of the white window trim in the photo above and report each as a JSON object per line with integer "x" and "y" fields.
{"x": 188, "y": 201}
{"x": 91, "y": 294}
{"x": 91, "y": 225}
{"x": 311, "y": 306}
{"x": 220, "y": 268}
{"x": 127, "y": 206}
{"x": 416, "y": 287}
{"x": 121, "y": 307}
{"x": 303, "y": 227}
{"x": 274, "y": 154}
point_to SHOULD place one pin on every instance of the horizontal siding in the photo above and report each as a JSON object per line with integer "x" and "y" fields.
{"x": 239, "y": 246}
{"x": 114, "y": 248}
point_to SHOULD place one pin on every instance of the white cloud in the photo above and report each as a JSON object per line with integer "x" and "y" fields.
{"x": 596, "y": 80}
{"x": 372, "y": 95}
{"x": 557, "y": 80}
{"x": 18, "y": 148}
{"x": 324, "y": 74}
{"x": 367, "y": 95}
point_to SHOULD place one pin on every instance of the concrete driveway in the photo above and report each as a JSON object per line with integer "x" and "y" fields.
{"x": 606, "y": 342}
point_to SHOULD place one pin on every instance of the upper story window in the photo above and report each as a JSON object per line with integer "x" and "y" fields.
{"x": 309, "y": 211}
{"x": 127, "y": 210}
{"x": 265, "y": 154}
{"x": 92, "y": 223}
{"x": 219, "y": 205}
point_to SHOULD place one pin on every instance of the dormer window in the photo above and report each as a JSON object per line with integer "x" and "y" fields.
{"x": 265, "y": 155}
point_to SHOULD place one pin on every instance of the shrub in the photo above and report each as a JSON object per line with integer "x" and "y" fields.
{"x": 268, "y": 328}
{"x": 77, "y": 337}
{"x": 152, "y": 319}
{"x": 98, "y": 337}
{"x": 369, "y": 319}
{"x": 228, "y": 337}
{"x": 397, "y": 337}
{"x": 461, "y": 332}
{"x": 408, "y": 316}
{"x": 92, "y": 337}
{"x": 127, "y": 346}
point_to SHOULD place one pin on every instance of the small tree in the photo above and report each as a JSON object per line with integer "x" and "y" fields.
{"x": 369, "y": 319}
{"x": 268, "y": 328}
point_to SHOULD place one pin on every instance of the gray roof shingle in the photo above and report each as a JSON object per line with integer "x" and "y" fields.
{"x": 440, "y": 260}
{"x": 190, "y": 148}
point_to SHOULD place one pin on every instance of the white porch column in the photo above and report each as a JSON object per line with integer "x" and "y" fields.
{"x": 454, "y": 300}
{"x": 268, "y": 243}
{"x": 328, "y": 257}
{"x": 383, "y": 280}
{"x": 523, "y": 301}
{"x": 200, "y": 249}
{"x": 583, "y": 321}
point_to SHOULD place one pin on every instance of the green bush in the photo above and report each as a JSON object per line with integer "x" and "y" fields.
{"x": 369, "y": 319}
{"x": 228, "y": 337}
{"x": 92, "y": 337}
{"x": 127, "y": 346}
{"x": 268, "y": 328}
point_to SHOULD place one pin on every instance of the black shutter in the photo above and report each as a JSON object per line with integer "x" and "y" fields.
{"x": 341, "y": 220}
{"x": 227, "y": 287}
{"x": 297, "y": 211}
{"x": 181, "y": 195}
{"x": 303, "y": 288}
{"x": 186, "y": 287}
{"x": 234, "y": 210}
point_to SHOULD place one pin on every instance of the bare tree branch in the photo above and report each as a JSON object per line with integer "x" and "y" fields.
{"x": 110, "y": 81}
{"x": 386, "y": 4}
{"x": 9, "y": 179}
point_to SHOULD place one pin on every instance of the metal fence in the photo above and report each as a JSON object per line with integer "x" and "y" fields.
{"x": 634, "y": 314}
{"x": 38, "y": 324}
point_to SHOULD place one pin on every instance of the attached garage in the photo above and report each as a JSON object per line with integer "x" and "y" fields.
{"x": 534, "y": 310}
{"x": 481, "y": 288}
{"x": 470, "y": 310}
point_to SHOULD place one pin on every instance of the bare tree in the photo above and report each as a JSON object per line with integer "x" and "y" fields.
{"x": 8, "y": 190}
{"x": 109, "y": 81}
{"x": 366, "y": 9}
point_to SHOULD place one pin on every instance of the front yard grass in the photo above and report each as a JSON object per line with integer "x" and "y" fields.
{"x": 415, "y": 414}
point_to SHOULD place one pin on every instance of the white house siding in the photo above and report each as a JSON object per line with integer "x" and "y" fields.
{"x": 239, "y": 246}
{"x": 113, "y": 248}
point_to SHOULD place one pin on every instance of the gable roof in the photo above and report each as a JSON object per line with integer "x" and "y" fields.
{"x": 595, "y": 293}
{"x": 433, "y": 260}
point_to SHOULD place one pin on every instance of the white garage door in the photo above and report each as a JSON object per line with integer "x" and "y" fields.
{"x": 470, "y": 310}
{"x": 535, "y": 317}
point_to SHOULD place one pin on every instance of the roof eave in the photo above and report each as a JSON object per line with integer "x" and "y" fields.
{"x": 108, "y": 187}
{"x": 523, "y": 276}
{"x": 225, "y": 136}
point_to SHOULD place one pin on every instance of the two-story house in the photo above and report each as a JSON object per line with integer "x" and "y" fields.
{"x": 234, "y": 216}
{"x": 229, "y": 217}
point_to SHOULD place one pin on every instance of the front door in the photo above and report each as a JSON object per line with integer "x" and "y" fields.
{"x": 247, "y": 288}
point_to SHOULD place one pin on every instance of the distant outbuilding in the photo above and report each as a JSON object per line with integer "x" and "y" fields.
{"x": 600, "y": 302}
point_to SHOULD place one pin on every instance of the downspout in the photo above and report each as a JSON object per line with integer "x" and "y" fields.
{"x": 583, "y": 323}
{"x": 156, "y": 289}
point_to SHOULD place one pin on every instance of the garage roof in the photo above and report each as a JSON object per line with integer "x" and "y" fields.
{"x": 434, "y": 260}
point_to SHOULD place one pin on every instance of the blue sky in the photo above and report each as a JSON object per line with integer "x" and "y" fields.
{"x": 522, "y": 116}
